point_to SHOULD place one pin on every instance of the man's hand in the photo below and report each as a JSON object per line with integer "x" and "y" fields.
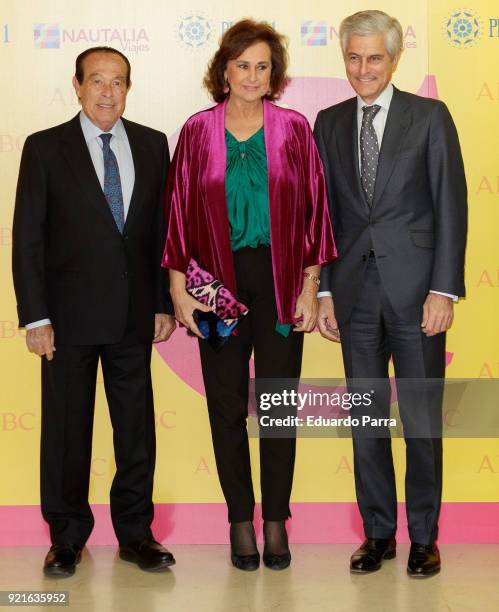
{"x": 328, "y": 326}
{"x": 164, "y": 326}
{"x": 438, "y": 313}
{"x": 40, "y": 341}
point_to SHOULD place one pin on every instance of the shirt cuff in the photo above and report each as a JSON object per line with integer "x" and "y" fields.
{"x": 324, "y": 294}
{"x": 454, "y": 298}
{"x": 36, "y": 324}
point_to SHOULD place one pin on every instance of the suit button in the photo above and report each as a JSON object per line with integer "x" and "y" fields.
{"x": 125, "y": 236}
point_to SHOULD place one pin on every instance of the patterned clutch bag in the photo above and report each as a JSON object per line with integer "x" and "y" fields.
{"x": 205, "y": 288}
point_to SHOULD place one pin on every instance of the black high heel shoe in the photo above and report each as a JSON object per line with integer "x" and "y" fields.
{"x": 247, "y": 539}
{"x": 276, "y": 538}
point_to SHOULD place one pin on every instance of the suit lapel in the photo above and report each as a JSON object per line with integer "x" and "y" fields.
{"x": 397, "y": 124}
{"x": 76, "y": 153}
{"x": 348, "y": 150}
{"x": 139, "y": 155}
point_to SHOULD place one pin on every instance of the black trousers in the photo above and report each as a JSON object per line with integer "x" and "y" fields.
{"x": 226, "y": 379}
{"x": 68, "y": 398}
{"x": 372, "y": 335}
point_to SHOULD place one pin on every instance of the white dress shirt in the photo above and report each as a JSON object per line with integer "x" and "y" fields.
{"x": 379, "y": 122}
{"x": 121, "y": 148}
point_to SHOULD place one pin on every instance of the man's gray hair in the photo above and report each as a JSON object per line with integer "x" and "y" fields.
{"x": 369, "y": 23}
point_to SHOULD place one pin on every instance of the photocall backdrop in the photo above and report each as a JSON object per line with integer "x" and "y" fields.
{"x": 451, "y": 53}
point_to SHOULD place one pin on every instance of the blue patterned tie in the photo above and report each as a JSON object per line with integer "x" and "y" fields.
{"x": 112, "y": 182}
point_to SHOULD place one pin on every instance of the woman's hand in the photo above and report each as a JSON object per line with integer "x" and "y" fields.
{"x": 307, "y": 305}
{"x": 184, "y": 305}
{"x": 307, "y": 308}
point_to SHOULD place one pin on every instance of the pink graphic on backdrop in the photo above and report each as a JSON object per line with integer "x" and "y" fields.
{"x": 308, "y": 95}
{"x": 206, "y": 523}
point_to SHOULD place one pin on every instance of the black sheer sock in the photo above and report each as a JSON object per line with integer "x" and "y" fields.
{"x": 243, "y": 539}
{"x": 276, "y": 537}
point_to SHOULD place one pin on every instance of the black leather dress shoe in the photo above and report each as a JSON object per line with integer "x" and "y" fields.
{"x": 61, "y": 560}
{"x": 424, "y": 560}
{"x": 370, "y": 555}
{"x": 149, "y": 555}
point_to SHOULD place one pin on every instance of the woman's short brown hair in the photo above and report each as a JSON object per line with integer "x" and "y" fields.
{"x": 234, "y": 42}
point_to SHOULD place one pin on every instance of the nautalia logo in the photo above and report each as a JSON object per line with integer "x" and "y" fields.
{"x": 47, "y": 35}
{"x": 462, "y": 28}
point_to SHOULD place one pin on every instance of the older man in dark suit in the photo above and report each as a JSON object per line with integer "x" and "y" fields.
{"x": 399, "y": 208}
{"x": 88, "y": 238}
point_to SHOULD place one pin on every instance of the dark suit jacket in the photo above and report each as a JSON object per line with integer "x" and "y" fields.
{"x": 70, "y": 262}
{"x": 417, "y": 222}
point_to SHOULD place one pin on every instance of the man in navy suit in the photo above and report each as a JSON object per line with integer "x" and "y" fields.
{"x": 399, "y": 209}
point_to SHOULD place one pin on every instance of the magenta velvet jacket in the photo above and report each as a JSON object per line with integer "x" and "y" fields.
{"x": 196, "y": 210}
